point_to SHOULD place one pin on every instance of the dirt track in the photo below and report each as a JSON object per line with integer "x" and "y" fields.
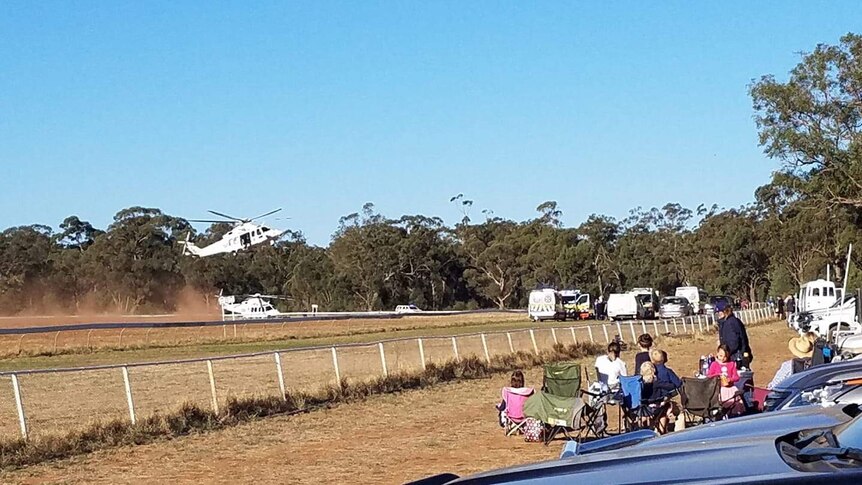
{"x": 387, "y": 439}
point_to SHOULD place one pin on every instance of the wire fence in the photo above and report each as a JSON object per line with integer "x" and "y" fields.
{"x": 37, "y": 403}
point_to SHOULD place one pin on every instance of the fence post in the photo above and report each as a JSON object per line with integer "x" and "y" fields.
{"x": 147, "y": 338}
{"x": 382, "y": 359}
{"x": 509, "y": 338}
{"x": 632, "y": 328}
{"x": 223, "y": 331}
{"x": 643, "y": 326}
{"x": 675, "y": 329}
{"x": 56, "y": 337}
{"x": 666, "y": 328}
{"x": 655, "y": 327}
{"x": 619, "y": 330}
{"x": 90, "y": 332}
{"x": 129, "y": 399}
{"x": 533, "y": 339}
{"x": 234, "y": 330}
{"x": 455, "y": 348}
{"x": 278, "y": 369}
{"x": 19, "y": 405}
{"x": 120, "y": 342}
{"x": 212, "y": 386}
{"x": 590, "y": 331}
{"x": 421, "y": 352}
{"x": 574, "y": 337}
{"x": 684, "y": 329}
{"x": 335, "y": 366}
{"x": 699, "y": 324}
{"x": 605, "y": 329}
{"x": 485, "y": 348}
{"x": 554, "y": 335}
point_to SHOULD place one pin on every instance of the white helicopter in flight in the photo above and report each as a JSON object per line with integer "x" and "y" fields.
{"x": 243, "y": 235}
{"x": 251, "y": 306}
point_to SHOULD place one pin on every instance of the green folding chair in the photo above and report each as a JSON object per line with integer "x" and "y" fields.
{"x": 559, "y": 414}
{"x": 562, "y": 379}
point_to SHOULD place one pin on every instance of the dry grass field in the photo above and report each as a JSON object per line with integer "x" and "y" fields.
{"x": 386, "y": 439}
{"x": 89, "y": 347}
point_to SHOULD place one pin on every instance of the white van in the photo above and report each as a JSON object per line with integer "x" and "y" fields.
{"x": 816, "y": 295}
{"x": 546, "y": 304}
{"x": 624, "y": 305}
{"x": 407, "y": 309}
{"x": 696, "y": 296}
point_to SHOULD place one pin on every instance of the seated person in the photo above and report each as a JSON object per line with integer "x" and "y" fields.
{"x": 656, "y": 394}
{"x": 645, "y": 343}
{"x": 610, "y": 367}
{"x": 802, "y": 348}
{"x": 516, "y": 388}
{"x": 665, "y": 385}
{"x": 725, "y": 369}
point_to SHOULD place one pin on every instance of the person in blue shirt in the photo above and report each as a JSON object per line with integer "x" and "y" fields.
{"x": 731, "y": 332}
{"x": 665, "y": 385}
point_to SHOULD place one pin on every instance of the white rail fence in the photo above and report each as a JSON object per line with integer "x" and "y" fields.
{"x": 52, "y": 401}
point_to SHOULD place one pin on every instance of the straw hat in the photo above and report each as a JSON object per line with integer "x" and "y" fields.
{"x": 801, "y": 347}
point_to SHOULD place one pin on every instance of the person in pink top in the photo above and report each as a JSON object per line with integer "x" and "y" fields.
{"x": 725, "y": 369}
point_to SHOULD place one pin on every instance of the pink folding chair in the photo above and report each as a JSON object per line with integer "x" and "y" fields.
{"x": 514, "y": 397}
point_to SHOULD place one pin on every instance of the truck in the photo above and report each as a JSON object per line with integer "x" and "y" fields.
{"x": 649, "y": 300}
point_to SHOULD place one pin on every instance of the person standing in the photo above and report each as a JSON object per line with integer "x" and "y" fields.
{"x": 781, "y": 308}
{"x": 731, "y": 332}
{"x": 790, "y": 305}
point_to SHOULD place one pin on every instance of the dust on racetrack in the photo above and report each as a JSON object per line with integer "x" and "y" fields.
{"x": 386, "y": 439}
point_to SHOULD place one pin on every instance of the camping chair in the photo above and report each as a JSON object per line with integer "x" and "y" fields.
{"x": 634, "y": 409}
{"x": 559, "y": 414}
{"x": 594, "y": 414}
{"x": 701, "y": 400}
{"x": 513, "y": 413}
{"x": 562, "y": 379}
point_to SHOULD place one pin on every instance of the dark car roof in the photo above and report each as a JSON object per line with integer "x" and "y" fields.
{"x": 813, "y": 376}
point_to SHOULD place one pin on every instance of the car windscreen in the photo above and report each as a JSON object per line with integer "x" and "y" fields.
{"x": 672, "y": 301}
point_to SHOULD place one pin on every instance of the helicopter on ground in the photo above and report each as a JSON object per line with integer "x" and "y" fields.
{"x": 250, "y": 306}
{"x": 242, "y": 236}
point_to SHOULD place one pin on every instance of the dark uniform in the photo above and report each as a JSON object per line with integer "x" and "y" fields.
{"x": 731, "y": 332}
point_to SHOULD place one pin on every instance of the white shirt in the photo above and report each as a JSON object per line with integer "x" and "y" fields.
{"x": 610, "y": 370}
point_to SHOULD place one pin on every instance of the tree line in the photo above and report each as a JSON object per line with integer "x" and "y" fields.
{"x": 800, "y": 221}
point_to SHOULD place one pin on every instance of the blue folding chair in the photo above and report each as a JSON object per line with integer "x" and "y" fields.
{"x": 636, "y": 411}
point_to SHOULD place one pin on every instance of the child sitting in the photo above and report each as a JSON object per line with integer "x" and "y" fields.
{"x": 725, "y": 369}
{"x": 516, "y": 393}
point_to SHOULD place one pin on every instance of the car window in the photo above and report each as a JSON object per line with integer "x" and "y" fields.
{"x": 850, "y": 433}
{"x": 815, "y": 292}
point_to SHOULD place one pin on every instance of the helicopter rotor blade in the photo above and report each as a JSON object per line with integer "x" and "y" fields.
{"x": 210, "y": 221}
{"x": 264, "y": 215}
{"x": 227, "y": 216}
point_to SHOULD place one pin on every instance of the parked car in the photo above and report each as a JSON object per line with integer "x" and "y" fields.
{"x": 826, "y": 382}
{"x": 781, "y": 448}
{"x": 649, "y": 300}
{"x": 696, "y": 296}
{"x": 675, "y": 307}
{"x": 840, "y": 316}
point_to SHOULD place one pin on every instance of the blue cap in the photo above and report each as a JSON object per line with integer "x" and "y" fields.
{"x": 721, "y": 306}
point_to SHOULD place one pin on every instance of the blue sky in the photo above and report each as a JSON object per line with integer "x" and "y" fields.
{"x": 319, "y": 107}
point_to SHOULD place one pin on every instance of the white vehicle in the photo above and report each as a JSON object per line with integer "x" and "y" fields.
{"x": 624, "y": 305}
{"x": 407, "y": 309}
{"x": 546, "y": 304}
{"x": 243, "y": 235}
{"x": 253, "y": 306}
{"x": 575, "y": 302}
{"x": 816, "y": 295}
{"x": 696, "y": 296}
{"x": 828, "y": 322}
{"x": 649, "y": 299}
